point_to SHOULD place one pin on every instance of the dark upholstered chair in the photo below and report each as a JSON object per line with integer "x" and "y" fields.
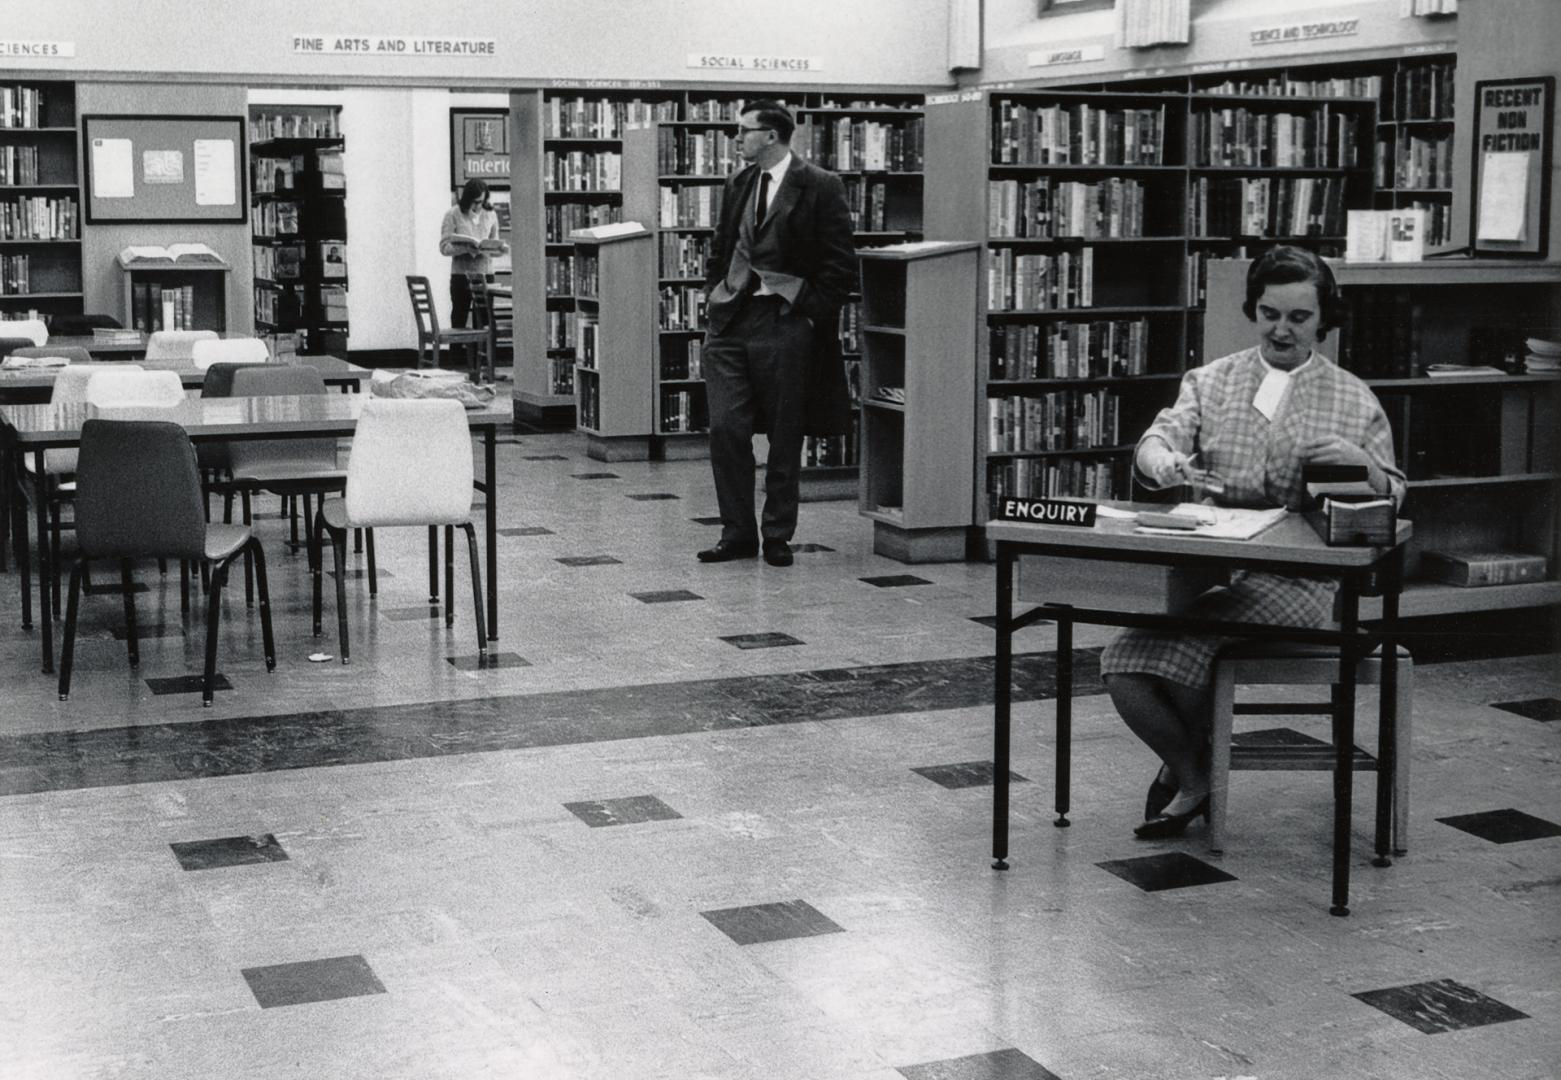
{"x": 139, "y": 497}
{"x": 76, "y": 354}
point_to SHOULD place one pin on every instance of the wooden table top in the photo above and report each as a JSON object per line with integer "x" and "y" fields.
{"x": 333, "y": 369}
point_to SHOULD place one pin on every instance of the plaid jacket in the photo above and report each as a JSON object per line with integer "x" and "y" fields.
{"x": 1213, "y": 418}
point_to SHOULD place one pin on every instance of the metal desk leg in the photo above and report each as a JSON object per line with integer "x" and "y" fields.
{"x": 1344, "y": 750}
{"x": 6, "y": 494}
{"x": 1064, "y": 716}
{"x": 19, "y": 538}
{"x": 45, "y": 567}
{"x": 491, "y": 527}
{"x": 1002, "y": 705}
{"x": 1387, "y": 711}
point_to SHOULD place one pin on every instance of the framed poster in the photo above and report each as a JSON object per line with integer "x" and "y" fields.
{"x": 479, "y": 147}
{"x": 164, "y": 168}
{"x": 1513, "y": 136}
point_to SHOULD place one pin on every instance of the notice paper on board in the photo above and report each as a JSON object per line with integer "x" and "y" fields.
{"x": 1504, "y": 195}
{"x": 113, "y": 169}
{"x": 215, "y": 183}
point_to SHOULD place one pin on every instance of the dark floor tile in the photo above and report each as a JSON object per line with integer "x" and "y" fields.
{"x": 528, "y": 530}
{"x": 706, "y": 520}
{"x": 761, "y": 641}
{"x": 509, "y": 440}
{"x": 312, "y": 980}
{"x": 488, "y": 662}
{"x": 771, "y": 922}
{"x": 412, "y": 614}
{"x": 145, "y": 632}
{"x": 589, "y": 560}
{"x": 228, "y": 851}
{"x": 1287, "y": 749}
{"x": 965, "y": 774}
{"x": 544, "y": 457}
{"x": 651, "y": 496}
{"x": 596, "y": 476}
{"x": 895, "y": 581}
{"x": 115, "y": 587}
{"x": 1169, "y": 870}
{"x": 991, "y": 620}
{"x": 363, "y": 575}
{"x": 1006, "y": 1064}
{"x": 665, "y": 596}
{"x": 803, "y": 549}
{"x": 628, "y": 811}
{"x": 1443, "y": 1005}
{"x": 1504, "y": 826}
{"x": 1544, "y": 708}
{"x": 186, "y": 684}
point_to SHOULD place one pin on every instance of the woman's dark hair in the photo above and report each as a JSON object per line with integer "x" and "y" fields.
{"x": 1286, "y": 265}
{"x": 773, "y": 115}
{"x": 473, "y": 191}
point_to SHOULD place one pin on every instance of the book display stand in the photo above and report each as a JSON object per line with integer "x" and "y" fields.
{"x": 178, "y": 287}
{"x": 614, "y": 333}
{"x": 40, "y": 201}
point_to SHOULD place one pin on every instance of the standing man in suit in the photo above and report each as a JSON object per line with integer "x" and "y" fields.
{"x": 782, "y": 265}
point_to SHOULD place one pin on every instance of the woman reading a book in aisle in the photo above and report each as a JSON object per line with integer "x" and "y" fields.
{"x": 1251, "y": 419}
{"x": 469, "y": 234}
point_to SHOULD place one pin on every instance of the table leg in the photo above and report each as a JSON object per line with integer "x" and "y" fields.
{"x": 1387, "y": 710}
{"x": 45, "y": 567}
{"x": 1002, "y": 705}
{"x": 5, "y": 502}
{"x": 1344, "y": 750}
{"x": 491, "y": 527}
{"x": 19, "y": 539}
{"x": 1064, "y": 716}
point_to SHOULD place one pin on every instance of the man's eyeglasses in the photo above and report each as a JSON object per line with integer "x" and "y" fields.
{"x": 743, "y": 129}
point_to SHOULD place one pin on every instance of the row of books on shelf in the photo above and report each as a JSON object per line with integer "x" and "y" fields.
{"x": 1024, "y": 282}
{"x": 684, "y": 363}
{"x": 1284, "y": 84}
{"x": 288, "y": 262}
{"x": 558, "y": 275}
{"x": 683, "y": 411}
{"x": 272, "y": 175}
{"x": 587, "y": 275}
{"x": 851, "y": 327}
{"x": 1380, "y": 338}
{"x": 1415, "y": 161}
{"x": 1054, "y": 478}
{"x": 588, "y": 402}
{"x": 682, "y": 307}
{"x": 1081, "y": 134}
{"x": 1068, "y": 350}
{"x": 21, "y": 106}
{"x": 15, "y": 275}
{"x": 560, "y": 330}
{"x": 287, "y": 308}
{"x": 1422, "y": 92}
{"x": 582, "y": 170}
{"x": 154, "y": 306}
{"x": 18, "y": 165}
{"x": 1061, "y": 420}
{"x": 1397, "y": 235}
{"x": 856, "y": 145}
{"x": 1046, "y": 208}
{"x": 680, "y": 152}
{"x": 276, "y": 219}
{"x": 1266, "y": 206}
{"x": 592, "y": 118}
{"x": 829, "y": 451}
{"x": 587, "y": 334}
{"x": 682, "y": 256}
{"x": 868, "y": 201}
{"x": 40, "y": 217}
{"x": 711, "y": 110}
{"x": 1243, "y": 138}
{"x": 321, "y": 124}
{"x": 561, "y": 219}
{"x": 690, "y": 206}
{"x": 561, "y": 375}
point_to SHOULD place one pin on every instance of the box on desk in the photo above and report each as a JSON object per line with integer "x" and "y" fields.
{"x": 1135, "y": 588}
{"x": 1343, "y": 508}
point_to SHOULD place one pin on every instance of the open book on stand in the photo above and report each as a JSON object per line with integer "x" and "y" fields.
{"x": 150, "y": 255}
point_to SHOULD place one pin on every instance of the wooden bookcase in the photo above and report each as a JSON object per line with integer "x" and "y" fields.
{"x": 919, "y": 320}
{"x": 1414, "y": 159}
{"x": 299, "y": 224}
{"x": 1480, "y": 451}
{"x": 201, "y": 290}
{"x": 615, "y": 332}
{"x": 40, "y": 191}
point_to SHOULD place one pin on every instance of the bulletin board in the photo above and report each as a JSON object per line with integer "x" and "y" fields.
{"x": 1513, "y": 137}
{"x": 164, "y": 168}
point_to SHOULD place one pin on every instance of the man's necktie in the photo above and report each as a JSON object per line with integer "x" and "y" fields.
{"x": 763, "y": 202}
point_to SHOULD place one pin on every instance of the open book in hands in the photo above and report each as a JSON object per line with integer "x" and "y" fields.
{"x": 471, "y": 243}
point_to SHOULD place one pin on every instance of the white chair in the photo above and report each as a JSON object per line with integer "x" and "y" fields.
{"x": 34, "y": 329}
{"x": 175, "y": 344}
{"x": 246, "y": 350}
{"x": 115, "y": 389}
{"x": 411, "y": 464}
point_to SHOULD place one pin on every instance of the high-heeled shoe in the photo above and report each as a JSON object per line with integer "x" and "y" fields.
{"x": 1161, "y": 793}
{"x": 1165, "y": 826}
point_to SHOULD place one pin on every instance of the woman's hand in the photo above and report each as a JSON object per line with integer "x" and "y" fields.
{"x": 1162, "y": 464}
{"x": 1336, "y": 450}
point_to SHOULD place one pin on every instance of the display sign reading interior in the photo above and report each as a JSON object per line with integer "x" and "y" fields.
{"x": 343, "y": 44}
{"x": 735, "y": 62}
{"x": 1291, "y": 33}
{"x": 1046, "y": 511}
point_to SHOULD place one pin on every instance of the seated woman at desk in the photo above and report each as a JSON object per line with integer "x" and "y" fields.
{"x": 1252, "y": 419}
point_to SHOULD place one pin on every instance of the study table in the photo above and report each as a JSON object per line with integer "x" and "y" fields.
{"x": 1289, "y": 546}
{"x": 35, "y": 429}
{"x": 33, "y": 385}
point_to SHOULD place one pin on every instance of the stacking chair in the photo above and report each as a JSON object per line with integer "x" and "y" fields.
{"x": 140, "y": 497}
{"x": 411, "y": 464}
{"x": 128, "y": 386}
{"x": 245, "y": 350}
{"x": 36, "y": 332}
{"x": 485, "y": 318}
{"x": 76, "y": 354}
{"x": 175, "y": 344}
{"x": 431, "y": 340}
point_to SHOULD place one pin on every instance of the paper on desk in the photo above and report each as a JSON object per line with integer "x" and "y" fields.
{"x": 1115, "y": 512}
{"x": 1230, "y": 522}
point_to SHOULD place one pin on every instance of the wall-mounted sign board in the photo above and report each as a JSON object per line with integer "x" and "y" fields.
{"x": 1513, "y": 137}
{"x": 164, "y": 168}
{"x": 479, "y": 146}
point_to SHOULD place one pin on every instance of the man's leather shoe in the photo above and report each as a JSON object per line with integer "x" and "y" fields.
{"x": 777, "y": 553}
{"x": 726, "y": 551}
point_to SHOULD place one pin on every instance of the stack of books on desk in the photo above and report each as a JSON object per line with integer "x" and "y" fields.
{"x": 114, "y": 335}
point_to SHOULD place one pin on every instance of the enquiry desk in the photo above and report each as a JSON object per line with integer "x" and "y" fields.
{"x": 1288, "y": 546}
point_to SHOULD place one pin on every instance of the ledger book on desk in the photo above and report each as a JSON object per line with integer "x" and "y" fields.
{"x": 1221, "y": 522}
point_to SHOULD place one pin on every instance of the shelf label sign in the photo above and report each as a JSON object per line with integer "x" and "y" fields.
{"x": 1077, "y": 54}
{"x": 352, "y": 45}
{"x": 1046, "y": 511}
{"x": 36, "y": 50}
{"x": 736, "y": 62}
{"x": 1291, "y": 33}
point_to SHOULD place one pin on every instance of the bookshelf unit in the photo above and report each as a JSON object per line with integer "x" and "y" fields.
{"x": 1480, "y": 451}
{"x": 40, "y": 201}
{"x": 198, "y": 295}
{"x": 1414, "y": 158}
{"x": 916, "y": 398}
{"x": 299, "y": 224}
{"x": 615, "y": 330}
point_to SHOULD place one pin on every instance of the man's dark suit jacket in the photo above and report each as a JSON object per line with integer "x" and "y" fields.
{"x": 813, "y": 241}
